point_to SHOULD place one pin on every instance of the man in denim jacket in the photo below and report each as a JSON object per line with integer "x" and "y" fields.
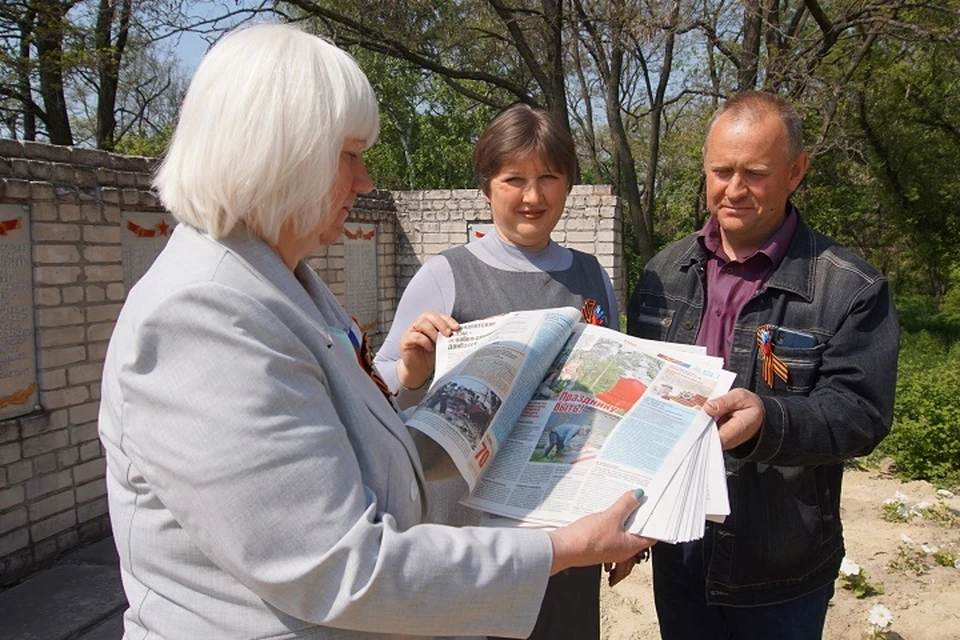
{"x": 811, "y": 332}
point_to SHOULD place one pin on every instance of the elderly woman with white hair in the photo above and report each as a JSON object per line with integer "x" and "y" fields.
{"x": 260, "y": 484}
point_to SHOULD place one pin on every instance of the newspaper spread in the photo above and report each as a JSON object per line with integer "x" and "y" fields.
{"x": 549, "y": 419}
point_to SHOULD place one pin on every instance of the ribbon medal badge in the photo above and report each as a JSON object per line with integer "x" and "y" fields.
{"x": 772, "y": 365}
{"x": 592, "y": 313}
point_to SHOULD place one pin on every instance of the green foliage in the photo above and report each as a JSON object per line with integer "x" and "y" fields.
{"x": 909, "y": 117}
{"x": 925, "y": 439}
{"x": 939, "y": 513}
{"x": 919, "y": 313}
{"x": 427, "y": 130}
{"x": 859, "y": 583}
{"x": 919, "y": 560}
{"x": 909, "y": 559}
{"x": 894, "y": 512}
{"x": 945, "y": 557}
{"x": 143, "y": 145}
{"x": 950, "y": 304}
{"x": 901, "y": 511}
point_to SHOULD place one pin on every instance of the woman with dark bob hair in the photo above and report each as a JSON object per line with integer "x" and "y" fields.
{"x": 260, "y": 484}
{"x": 525, "y": 162}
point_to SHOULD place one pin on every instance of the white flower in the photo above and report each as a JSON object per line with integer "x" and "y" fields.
{"x": 923, "y": 505}
{"x": 928, "y": 549}
{"x": 899, "y": 497}
{"x": 849, "y": 567}
{"x": 905, "y": 538}
{"x": 880, "y": 617}
{"x": 956, "y": 563}
{"x": 891, "y": 501}
{"x": 943, "y": 493}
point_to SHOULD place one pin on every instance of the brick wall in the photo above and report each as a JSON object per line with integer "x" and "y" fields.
{"x": 52, "y": 488}
{"x": 431, "y": 221}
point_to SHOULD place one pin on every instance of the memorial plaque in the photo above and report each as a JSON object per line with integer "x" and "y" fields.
{"x": 476, "y": 230}
{"x": 361, "y": 274}
{"x": 18, "y": 355}
{"x": 142, "y": 237}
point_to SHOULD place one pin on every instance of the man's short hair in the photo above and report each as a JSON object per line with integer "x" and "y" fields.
{"x": 261, "y": 131}
{"x": 753, "y": 105}
{"x": 521, "y": 131}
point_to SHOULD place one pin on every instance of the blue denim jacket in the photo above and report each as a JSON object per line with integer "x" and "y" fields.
{"x": 783, "y": 537}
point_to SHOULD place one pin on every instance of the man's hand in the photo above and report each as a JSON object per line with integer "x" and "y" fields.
{"x": 418, "y": 344}
{"x": 620, "y": 570}
{"x": 739, "y": 416}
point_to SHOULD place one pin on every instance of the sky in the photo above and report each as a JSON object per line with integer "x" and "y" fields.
{"x": 192, "y": 46}
{"x": 190, "y": 50}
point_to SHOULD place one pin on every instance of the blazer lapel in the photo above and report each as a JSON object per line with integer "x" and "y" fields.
{"x": 268, "y": 266}
{"x": 306, "y": 290}
{"x": 324, "y": 299}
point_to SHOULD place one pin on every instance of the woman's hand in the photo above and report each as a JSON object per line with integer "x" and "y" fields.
{"x": 418, "y": 344}
{"x": 599, "y": 538}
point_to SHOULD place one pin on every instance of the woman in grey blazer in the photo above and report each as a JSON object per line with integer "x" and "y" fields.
{"x": 260, "y": 485}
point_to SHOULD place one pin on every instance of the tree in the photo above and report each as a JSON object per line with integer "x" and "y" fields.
{"x": 91, "y": 71}
{"x": 490, "y": 51}
{"x": 33, "y": 42}
{"x": 427, "y": 129}
{"x": 618, "y": 38}
{"x": 109, "y": 52}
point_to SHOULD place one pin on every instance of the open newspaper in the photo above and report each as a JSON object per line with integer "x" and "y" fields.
{"x": 549, "y": 419}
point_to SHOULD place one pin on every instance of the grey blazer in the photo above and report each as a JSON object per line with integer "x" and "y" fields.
{"x": 259, "y": 484}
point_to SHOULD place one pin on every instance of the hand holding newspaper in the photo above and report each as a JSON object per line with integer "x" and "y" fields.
{"x": 549, "y": 419}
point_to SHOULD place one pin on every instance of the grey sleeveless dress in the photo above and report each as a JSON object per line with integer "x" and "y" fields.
{"x": 571, "y": 605}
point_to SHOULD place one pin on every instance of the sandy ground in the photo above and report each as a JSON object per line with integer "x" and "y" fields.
{"x": 924, "y": 607}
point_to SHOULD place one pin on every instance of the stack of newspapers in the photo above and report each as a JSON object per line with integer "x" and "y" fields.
{"x": 549, "y": 419}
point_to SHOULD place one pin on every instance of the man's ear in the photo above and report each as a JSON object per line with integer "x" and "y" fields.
{"x": 798, "y": 169}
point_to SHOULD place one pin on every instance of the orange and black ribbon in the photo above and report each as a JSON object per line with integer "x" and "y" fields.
{"x": 772, "y": 364}
{"x": 365, "y": 359}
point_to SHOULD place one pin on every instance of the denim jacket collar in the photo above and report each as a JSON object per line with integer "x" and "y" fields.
{"x": 795, "y": 274}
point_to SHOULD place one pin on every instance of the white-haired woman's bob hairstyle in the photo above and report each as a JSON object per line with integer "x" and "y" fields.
{"x": 261, "y": 131}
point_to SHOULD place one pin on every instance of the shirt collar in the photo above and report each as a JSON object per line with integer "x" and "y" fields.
{"x": 775, "y": 247}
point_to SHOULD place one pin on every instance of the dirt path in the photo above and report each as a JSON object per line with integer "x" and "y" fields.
{"x": 924, "y": 607}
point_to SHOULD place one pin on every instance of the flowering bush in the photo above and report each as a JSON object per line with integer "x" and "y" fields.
{"x": 918, "y": 558}
{"x": 854, "y": 579}
{"x": 900, "y": 509}
{"x": 880, "y": 620}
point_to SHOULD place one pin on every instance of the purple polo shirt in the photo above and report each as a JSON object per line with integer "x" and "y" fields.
{"x": 731, "y": 283}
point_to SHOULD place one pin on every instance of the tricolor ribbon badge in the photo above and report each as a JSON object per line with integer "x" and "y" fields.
{"x": 772, "y": 364}
{"x": 592, "y": 313}
{"x": 361, "y": 346}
